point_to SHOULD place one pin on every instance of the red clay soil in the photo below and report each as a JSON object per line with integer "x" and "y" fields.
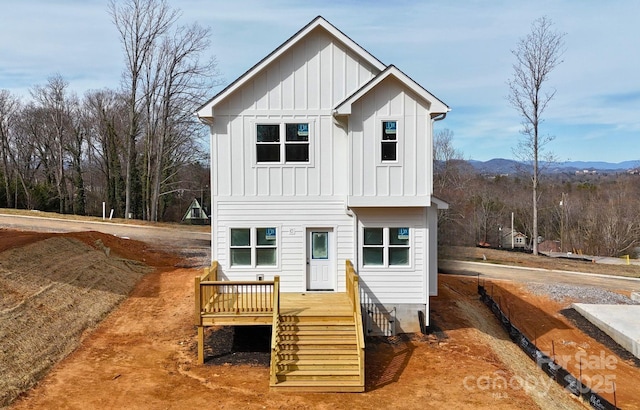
{"x": 124, "y": 248}
{"x": 603, "y": 364}
{"x": 143, "y": 355}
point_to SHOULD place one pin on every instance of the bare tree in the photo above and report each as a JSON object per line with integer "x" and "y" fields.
{"x": 174, "y": 84}
{"x": 56, "y": 105}
{"x": 141, "y": 24}
{"x": 166, "y": 77}
{"x": 451, "y": 178}
{"x": 537, "y": 55}
{"x": 105, "y": 113}
{"x": 9, "y": 108}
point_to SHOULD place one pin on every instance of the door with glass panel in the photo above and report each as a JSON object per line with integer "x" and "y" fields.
{"x": 320, "y": 262}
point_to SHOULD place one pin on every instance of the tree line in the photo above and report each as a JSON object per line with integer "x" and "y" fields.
{"x": 590, "y": 214}
{"x": 137, "y": 148}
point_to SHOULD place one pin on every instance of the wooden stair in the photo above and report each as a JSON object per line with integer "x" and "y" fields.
{"x": 317, "y": 354}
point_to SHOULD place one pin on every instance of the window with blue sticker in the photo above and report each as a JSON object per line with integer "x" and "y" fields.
{"x": 389, "y": 144}
{"x": 296, "y": 146}
{"x": 272, "y": 148}
{"x": 386, "y": 246}
{"x": 252, "y": 247}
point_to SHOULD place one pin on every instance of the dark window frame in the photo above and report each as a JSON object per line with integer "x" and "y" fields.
{"x": 389, "y": 141}
{"x": 290, "y": 145}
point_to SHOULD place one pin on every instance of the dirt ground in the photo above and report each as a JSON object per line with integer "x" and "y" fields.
{"x": 143, "y": 355}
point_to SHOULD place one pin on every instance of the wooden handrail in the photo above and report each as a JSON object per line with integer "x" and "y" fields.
{"x": 275, "y": 332}
{"x": 237, "y": 282}
{"x": 353, "y": 291}
{"x": 213, "y": 296}
{"x": 238, "y": 297}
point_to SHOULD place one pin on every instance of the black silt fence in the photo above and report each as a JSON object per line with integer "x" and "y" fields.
{"x": 546, "y": 363}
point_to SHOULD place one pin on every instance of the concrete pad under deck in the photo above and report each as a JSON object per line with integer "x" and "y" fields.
{"x": 620, "y": 322}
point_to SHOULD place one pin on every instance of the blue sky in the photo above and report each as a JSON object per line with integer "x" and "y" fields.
{"x": 460, "y": 51}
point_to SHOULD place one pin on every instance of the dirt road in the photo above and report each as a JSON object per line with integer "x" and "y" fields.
{"x": 192, "y": 234}
{"x": 194, "y": 241}
{"x": 536, "y": 275}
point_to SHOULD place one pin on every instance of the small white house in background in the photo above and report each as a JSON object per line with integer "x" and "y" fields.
{"x": 513, "y": 240}
{"x": 195, "y": 214}
{"x": 321, "y": 154}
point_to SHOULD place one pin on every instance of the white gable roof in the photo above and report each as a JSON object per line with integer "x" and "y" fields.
{"x": 435, "y": 105}
{"x": 206, "y": 110}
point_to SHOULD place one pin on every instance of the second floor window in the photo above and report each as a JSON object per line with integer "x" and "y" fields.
{"x": 389, "y": 147}
{"x": 282, "y": 143}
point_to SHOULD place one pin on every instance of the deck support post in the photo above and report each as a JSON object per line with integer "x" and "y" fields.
{"x": 200, "y": 344}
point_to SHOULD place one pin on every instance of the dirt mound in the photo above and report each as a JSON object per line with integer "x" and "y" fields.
{"x": 54, "y": 287}
{"x": 122, "y": 247}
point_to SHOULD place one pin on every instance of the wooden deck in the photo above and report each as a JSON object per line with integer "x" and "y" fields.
{"x": 291, "y": 304}
{"x": 317, "y": 337}
{"x": 315, "y": 304}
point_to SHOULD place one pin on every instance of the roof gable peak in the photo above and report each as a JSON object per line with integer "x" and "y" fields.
{"x": 205, "y": 112}
{"x": 436, "y": 105}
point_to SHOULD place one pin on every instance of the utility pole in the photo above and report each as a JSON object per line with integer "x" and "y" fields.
{"x": 563, "y": 205}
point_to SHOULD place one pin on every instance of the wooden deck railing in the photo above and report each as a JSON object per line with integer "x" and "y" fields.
{"x": 275, "y": 332}
{"x": 232, "y": 299}
{"x": 205, "y": 294}
{"x": 353, "y": 291}
{"x": 236, "y": 297}
{"x": 214, "y": 296}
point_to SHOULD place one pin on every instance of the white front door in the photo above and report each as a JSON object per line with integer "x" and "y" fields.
{"x": 320, "y": 259}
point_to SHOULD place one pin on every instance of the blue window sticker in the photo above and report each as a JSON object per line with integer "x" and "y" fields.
{"x": 270, "y": 234}
{"x": 303, "y": 130}
{"x": 403, "y": 233}
{"x": 390, "y": 127}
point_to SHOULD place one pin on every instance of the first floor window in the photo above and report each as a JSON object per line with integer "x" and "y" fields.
{"x": 373, "y": 248}
{"x": 253, "y": 247}
{"x": 398, "y": 246}
{"x": 386, "y": 247}
{"x": 240, "y": 251}
{"x": 266, "y": 247}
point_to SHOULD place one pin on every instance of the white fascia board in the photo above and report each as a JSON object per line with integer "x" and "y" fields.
{"x": 388, "y": 201}
{"x": 206, "y": 110}
{"x": 435, "y": 104}
{"x": 439, "y": 203}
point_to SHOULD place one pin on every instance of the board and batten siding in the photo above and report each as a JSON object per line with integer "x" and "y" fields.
{"x": 314, "y": 75}
{"x": 291, "y": 218}
{"x": 396, "y": 284}
{"x": 303, "y": 85}
{"x": 410, "y": 176}
{"x": 236, "y": 173}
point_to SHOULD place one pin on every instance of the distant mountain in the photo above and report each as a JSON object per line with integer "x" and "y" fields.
{"x": 496, "y": 166}
{"x": 509, "y": 166}
{"x": 599, "y": 165}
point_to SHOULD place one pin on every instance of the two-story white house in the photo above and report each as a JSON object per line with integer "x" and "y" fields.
{"x": 321, "y": 154}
